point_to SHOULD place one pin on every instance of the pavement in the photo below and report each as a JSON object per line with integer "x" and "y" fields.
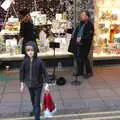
{"x": 97, "y": 98}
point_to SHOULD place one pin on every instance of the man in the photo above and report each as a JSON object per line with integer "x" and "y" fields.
{"x": 80, "y": 45}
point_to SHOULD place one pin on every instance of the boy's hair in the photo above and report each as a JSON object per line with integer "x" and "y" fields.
{"x": 29, "y": 46}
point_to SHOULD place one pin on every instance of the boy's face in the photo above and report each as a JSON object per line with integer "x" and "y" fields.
{"x": 30, "y": 51}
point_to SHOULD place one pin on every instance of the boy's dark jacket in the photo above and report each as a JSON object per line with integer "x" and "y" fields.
{"x": 33, "y": 74}
{"x": 86, "y": 40}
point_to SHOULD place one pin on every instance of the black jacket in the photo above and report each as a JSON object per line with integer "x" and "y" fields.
{"x": 27, "y": 31}
{"x": 33, "y": 74}
{"x": 85, "y": 42}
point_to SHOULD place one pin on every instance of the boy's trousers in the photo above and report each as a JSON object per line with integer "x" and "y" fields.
{"x": 35, "y": 94}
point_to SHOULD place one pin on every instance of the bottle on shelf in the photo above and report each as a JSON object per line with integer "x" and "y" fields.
{"x": 106, "y": 42}
{"x": 59, "y": 68}
{"x": 18, "y": 49}
{"x": 112, "y": 34}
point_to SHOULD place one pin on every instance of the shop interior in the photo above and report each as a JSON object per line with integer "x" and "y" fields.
{"x": 107, "y": 29}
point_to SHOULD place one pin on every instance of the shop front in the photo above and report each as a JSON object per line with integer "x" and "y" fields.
{"x": 51, "y": 27}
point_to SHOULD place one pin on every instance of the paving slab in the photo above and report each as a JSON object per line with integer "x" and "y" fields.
{"x": 98, "y": 93}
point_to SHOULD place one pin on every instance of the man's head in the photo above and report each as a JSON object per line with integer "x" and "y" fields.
{"x": 85, "y": 15}
{"x": 25, "y": 15}
{"x": 24, "y": 12}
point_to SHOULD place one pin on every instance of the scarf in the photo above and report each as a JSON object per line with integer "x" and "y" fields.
{"x": 81, "y": 30}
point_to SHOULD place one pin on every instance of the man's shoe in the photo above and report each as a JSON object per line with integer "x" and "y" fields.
{"x": 78, "y": 74}
{"x": 88, "y": 75}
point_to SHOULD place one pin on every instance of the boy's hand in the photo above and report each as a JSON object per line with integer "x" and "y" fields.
{"x": 46, "y": 88}
{"x": 21, "y": 87}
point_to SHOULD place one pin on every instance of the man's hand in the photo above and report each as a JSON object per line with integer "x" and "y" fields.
{"x": 21, "y": 87}
{"x": 78, "y": 39}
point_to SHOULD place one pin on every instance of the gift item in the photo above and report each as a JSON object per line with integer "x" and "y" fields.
{"x": 12, "y": 24}
{"x": 11, "y": 45}
{"x": 42, "y": 36}
{"x": 48, "y": 105}
{"x": 48, "y": 114}
{"x": 107, "y": 28}
{"x": 2, "y": 44}
{"x": 42, "y": 41}
{"x": 59, "y": 16}
{"x": 38, "y": 18}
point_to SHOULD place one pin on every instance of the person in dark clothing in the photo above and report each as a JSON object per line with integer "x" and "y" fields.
{"x": 80, "y": 45}
{"x": 34, "y": 75}
{"x": 27, "y": 29}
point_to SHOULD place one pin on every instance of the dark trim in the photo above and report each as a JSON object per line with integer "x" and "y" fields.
{"x": 66, "y": 61}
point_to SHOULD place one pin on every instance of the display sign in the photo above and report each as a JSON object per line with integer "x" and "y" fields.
{"x": 6, "y": 4}
{"x": 38, "y": 18}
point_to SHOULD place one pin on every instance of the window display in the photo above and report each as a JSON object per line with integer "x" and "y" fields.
{"x": 57, "y": 29}
{"x": 12, "y": 27}
{"x": 107, "y": 28}
{"x": 51, "y": 19}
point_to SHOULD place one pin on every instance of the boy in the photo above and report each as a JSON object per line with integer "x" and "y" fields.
{"x": 33, "y": 74}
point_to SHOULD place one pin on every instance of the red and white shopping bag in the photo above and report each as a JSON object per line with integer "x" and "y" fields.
{"x": 48, "y": 105}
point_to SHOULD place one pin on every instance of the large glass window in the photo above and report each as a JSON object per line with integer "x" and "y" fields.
{"x": 51, "y": 19}
{"x": 107, "y": 28}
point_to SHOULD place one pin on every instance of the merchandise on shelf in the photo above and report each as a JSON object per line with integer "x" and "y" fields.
{"x": 42, "y": 42}
{"x": 2, "y": 44}
{"x": 38, "y": 18}
{"x": 107, "y": 28}
{"x": 12, "y": 26}
{"x": 12, "y": 47}
{"x": 47, "y": 31}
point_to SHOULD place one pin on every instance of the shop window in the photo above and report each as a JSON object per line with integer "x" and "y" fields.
{"x": 51, "y": 19}
{"x": 107, "y": 28}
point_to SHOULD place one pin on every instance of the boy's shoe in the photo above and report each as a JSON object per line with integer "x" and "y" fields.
{"x": 31, "y": 113}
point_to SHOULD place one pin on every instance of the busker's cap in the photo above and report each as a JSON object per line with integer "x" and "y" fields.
{"x": 61, "y": 81}
{"x": 24, "y": 12}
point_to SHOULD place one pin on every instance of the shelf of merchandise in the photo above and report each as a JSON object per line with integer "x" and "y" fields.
{"x": 49, "y": 54}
